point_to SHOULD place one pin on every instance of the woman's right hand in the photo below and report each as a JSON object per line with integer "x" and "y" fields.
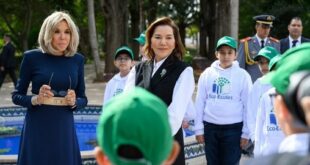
{"x": 200, "y": 138}
{"x": 44, "y": 92}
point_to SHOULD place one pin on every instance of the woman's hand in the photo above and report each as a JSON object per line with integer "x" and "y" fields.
{"x": 71, "y": 97}
{"x": 44, "y": 92}
{"x": 200, "y": 138}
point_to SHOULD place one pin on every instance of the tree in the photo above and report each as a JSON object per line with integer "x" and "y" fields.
{"x": 116, "y": 17}
{"x": 93, "y": 40}
{"x": 134, "y": 9}
{"x": 216, "y": 21}
{"x": 184, "y": 14}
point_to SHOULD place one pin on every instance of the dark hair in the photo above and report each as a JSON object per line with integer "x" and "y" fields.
{"x": 129, "y": 152}
{"x": 179, "y": 50}
{"x": 296, "y": 18}
{"x": 293, "y": 95}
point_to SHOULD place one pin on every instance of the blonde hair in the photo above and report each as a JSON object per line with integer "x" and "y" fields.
{"x": 48, "y": 29}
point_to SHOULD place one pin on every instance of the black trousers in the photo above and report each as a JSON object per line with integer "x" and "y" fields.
{"x": 11, "y": 72}
{"x": 181, "y": 157}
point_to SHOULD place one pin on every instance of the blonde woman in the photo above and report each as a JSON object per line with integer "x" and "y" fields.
{"x": 56, "y": 72}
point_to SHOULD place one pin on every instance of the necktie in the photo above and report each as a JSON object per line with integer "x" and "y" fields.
{"x": 262, "y": 43}
{"x": 294, "y": 43}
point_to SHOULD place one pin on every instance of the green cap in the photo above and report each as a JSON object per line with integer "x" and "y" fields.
{"x": 267, "y": 52}
{"x": 136, "y": 118}
{"x": 226, "y": 40}
{"x": 141, "y": 38}
{"x": 273, "y": 62}
{"x": 293, "y": 60}
{"x": 124, "y": 49}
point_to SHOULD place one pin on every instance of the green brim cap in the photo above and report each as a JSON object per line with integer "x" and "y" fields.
{"x": 293, "y": 60}
{"x": 124, "y": 49}
{"x": 141, "y": 38}
{"x": 131, "y": 118}
{"x": 274, "y": 61}
{"x": 226, "y": 40}
{"x": 267, "y": 52}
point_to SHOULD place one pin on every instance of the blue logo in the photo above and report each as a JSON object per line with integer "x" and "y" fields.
{"x": 221, "y": 86}
{"x": 272, "y": 118}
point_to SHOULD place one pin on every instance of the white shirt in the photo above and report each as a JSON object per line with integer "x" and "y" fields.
{"x": 114, "y": 87}
{"x": 181, "y": 97}
{"x": 268, "y": 134}
{"x": 260, "y": 39}
{"x": 291, "y": 41}
{"x": 222, "y": 97}
{"x": 255, "y": 95}
{"x": 297, "y": 143}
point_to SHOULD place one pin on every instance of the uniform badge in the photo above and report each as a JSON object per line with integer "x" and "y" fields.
{"x": 269, "y": 18}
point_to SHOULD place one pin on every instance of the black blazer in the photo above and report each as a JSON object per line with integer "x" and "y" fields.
{"x": 285, "y": 43}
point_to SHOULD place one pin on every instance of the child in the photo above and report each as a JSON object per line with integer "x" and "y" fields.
{"x": 263, "y": 57}
{"x": 134, "y": 129}
{"x": 123, "y": 60}
{"x": 141, "y": 41}
{"x": 221, "y": 106}
{"x": 268, "y": 134}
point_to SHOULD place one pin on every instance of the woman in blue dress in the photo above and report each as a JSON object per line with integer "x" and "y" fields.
{"x": 56, "y": 72}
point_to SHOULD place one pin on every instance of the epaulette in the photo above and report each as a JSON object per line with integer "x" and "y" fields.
{"x": 274, "y": 39}
{"x": 246, "y": 39}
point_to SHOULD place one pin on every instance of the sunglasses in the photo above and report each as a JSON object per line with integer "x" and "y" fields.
{"x": 59, "y": 93}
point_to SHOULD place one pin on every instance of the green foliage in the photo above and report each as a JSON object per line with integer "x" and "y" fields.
{"x": 283, "y": 10}
{"x": 188, "y": 58}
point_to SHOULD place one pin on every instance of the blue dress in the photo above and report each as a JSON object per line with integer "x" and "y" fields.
{"x": 48, "y": 136}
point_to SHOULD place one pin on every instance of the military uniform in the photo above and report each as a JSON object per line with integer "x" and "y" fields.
{"x": 250, "y": 46}
{"x": 248, "y": 49}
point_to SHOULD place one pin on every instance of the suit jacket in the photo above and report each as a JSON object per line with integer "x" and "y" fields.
{"x": 253, "y": 49}
{"x": 8, "y": 56}
{"x": 285, "y": 43}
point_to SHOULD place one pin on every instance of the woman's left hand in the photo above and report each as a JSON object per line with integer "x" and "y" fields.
{"x": 71, "y": 97}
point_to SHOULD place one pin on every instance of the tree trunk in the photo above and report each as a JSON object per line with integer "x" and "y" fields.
{"x": 93, "y": 40}
{"x": 182, "y": 29}
{"x": 203, "y": 29}
{"x": 234, "y": 18}
{"x": 115, "y": 14}
{"x": 152, "y": 11}
{"x": 134, "y": 9}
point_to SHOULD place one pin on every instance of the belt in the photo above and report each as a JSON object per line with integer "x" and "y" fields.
{"x": 58, "y": 101}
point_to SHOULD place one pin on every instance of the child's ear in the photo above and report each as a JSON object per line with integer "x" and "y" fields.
{"x": 101, "y": 158}
{"x": 216, "y": 54}
{"x": 173, "y": 154}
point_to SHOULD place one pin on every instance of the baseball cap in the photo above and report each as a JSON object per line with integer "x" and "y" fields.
{"x": 293, "y": 60}
{"x": 267, "y": 52}
{"x": 274, "y": 61}
{"x": 226, "y": 40}
{"x": 131, "y": 118}
{"x": 141, "y": 38}
{"x": 124, "y": 49}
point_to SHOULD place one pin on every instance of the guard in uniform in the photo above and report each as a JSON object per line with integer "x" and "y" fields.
{"x": 250, "y": 46}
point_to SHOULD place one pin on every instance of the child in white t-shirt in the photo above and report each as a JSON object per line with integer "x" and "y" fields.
{"x": 268, "y": 134}
{"x": 123, "y": 60}
{"x": 221, "y": 100}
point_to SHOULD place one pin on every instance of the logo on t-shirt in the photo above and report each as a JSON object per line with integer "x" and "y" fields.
{"x": 221, "y": 85}
{"x": 118, "y": 91}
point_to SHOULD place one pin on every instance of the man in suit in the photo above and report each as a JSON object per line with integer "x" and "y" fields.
{"x": 7, "y": 62}
{"x": 294, "y": 38}
{"x": 250, "y": 46}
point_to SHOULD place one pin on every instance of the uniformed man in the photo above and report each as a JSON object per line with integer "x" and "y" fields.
{"x": 250, "y": 46}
